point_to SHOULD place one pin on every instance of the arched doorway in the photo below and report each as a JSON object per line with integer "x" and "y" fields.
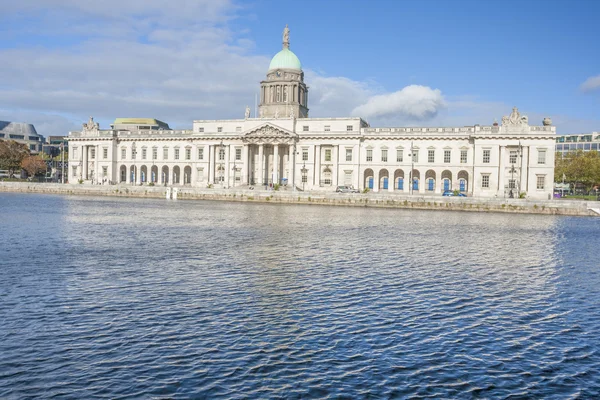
{"x": 123, "y": 174}
{"x": 463, "y": 181}
{"x": 416, "y": 177}
{"x": 383, "y": 179}
{"x": 144, "y": 173}
{"x": 430, "y": 180}
{"x": 187, "y": 175}
{"x": 154, "y": 174}
{"x": 132, "y": 174}
{"x": 369, "y": 178}
{"x": 176, "y": 173}
{"x": 399, "y": 179}
{"x": 446, "y": 180}
{"x": 164, "y": 176}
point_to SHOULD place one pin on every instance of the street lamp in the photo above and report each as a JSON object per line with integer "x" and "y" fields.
{"x": 234, "y": 171}
{"x": 304, "y": 170}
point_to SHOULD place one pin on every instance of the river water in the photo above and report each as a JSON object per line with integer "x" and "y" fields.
{"x": 147, "y": 298}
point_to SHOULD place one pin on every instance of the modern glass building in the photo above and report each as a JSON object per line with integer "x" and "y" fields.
{"x": 574, "y": 142}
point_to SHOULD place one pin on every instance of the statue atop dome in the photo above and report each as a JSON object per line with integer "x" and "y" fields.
{"x": 286, "y": 37}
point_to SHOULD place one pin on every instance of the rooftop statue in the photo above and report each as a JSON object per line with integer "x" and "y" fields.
{"x": 515, "y": 119}
{"x": 91, "y": 125}
{"x": 286, "y": 37}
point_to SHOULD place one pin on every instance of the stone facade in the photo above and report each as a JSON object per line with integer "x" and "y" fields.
{"x": 284, "y": 146}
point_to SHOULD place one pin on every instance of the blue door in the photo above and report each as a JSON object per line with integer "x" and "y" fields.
{"x": 430, "y": 184}
{"x": 446, "y": 184}
{"x": 401, "y": 184}
{"x": 416, "y": 184}
{"x": 371, "y": 183}
{"x": 462, "y": 185}
{"x": 385, "y": 183}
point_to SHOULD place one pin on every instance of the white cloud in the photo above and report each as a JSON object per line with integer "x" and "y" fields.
{"x": 413, "y": 102}
{"x": 591, "y": 84}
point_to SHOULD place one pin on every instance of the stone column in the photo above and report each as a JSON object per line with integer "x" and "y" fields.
{"x": 391, "y": 180}
{"x": 336, "y": 165}
{"x": 501, "y": 171}
{"x": 275, "y": 164}
{"x": 227, "y": 183}
{"x": 375, "y": 180}
{"x": 245, "y": 164}
{"x": 317, "y": 172}
{"x": 261, "y": 164}
{"x": 84, "y": 162}
{"x": 211, "y": 163}
{"x": 291, "y": 167}
{"x": 523, "y": 176}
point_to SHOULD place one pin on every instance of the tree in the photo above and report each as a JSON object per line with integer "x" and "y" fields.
{"x": 11, "y": 155}
{"x": 34, "y": 165}
{"x": 578, "y": 167}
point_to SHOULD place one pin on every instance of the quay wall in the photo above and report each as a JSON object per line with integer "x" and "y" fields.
{"x": 381, "y": 199}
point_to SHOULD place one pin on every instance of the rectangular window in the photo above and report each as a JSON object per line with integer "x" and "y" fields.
{"x": 221, "y": 154}
{"x": 304, "y": 154}
{"x": 238, "y": 154}
{"x": 431, "y": 156}
{"x": 348, "y": 154}
{"x": 463, "y": 156}
{"x": 201, "y": 130}
{"x": 327, "y": 154}
{"x": 92, "y": 153}
{"x": 133, "y": 153}
{"x": 485, "y": 181}
{"x": 305, "y": 128}
{"x": 369, "y": 155}
{"x": 154, "y": 153}
{"x": 220, "y": 129}
{"x": 105, "y": 153}
{"x": 304, "y": 178}
{"x": 512, "y": 184}
{"x": 200, "y": 174}
{"x": 447, "y": 156}
{"x": 165, "y": 153}
{"x": 512, "y": 158}
{"x": 123, "y": 153}
{"x": 104, "y": 172}
{"x": 542, "y": 157}
{"x": 486, "y": 156}
{"x": 177, "y": 154}
{"x": 349, "y": 128}
{"x": 143, "y": 153}
{"x": 541, "y": 182}
{"x": 384, "y": 155}
{"x": 188, "y": 154}
{"x": 201, "y": 153}
{"x": 327, "y": 128}
{"x": 399, "y": 155}
{"x": 415, "y": 156}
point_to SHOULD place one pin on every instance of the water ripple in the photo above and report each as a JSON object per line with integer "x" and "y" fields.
{"x": 135, "y": 299}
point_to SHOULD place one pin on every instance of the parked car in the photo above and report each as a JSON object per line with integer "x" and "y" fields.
{"x": 346, "y": 189}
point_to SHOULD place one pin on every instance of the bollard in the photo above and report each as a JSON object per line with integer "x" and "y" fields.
{"x": 168, "y": 193}
{"x": 175, "y": 192}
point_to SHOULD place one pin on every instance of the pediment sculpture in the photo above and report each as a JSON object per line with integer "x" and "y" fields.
{"x": 269, "y": 134}
{"x": 91, "y": 126}
{"x": 515, "y": 119}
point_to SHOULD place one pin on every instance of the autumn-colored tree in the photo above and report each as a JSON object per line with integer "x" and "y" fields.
{"x": 34, "y": 165}
{"x": 11, "y": 155}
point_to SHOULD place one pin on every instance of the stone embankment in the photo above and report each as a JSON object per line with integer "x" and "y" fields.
{"x": 381, "y": 199}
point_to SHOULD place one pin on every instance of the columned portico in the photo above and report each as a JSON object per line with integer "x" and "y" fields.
{"x": 261, "y": 164}
{"x": 276, "y": 164}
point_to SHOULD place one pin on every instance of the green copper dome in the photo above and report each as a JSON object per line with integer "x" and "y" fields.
{"x": 285, "y": 59}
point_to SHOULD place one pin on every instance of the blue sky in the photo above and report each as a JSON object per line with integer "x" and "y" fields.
{"x": 394, "y": 63}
